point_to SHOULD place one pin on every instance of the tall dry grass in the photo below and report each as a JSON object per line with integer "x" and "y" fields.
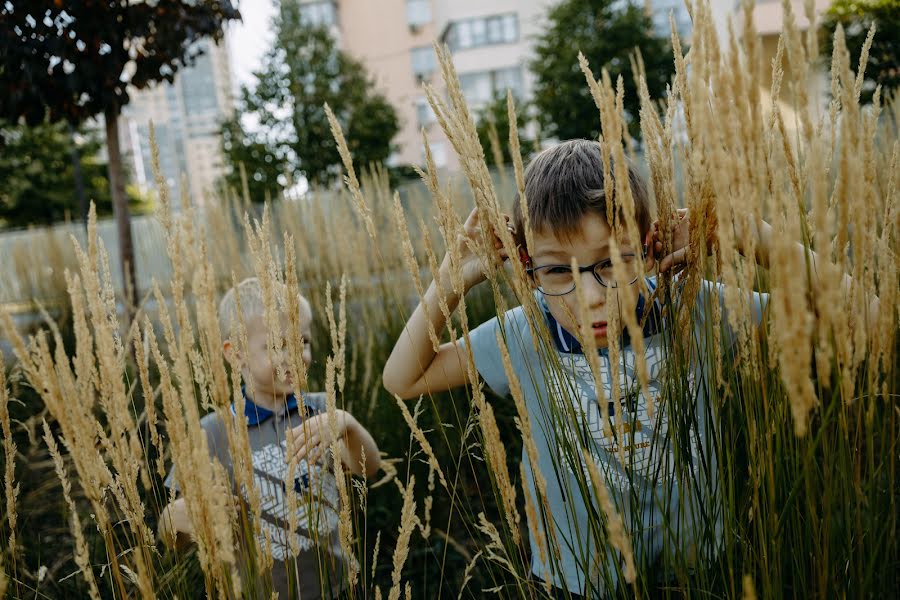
{"x": 802, "y": 478}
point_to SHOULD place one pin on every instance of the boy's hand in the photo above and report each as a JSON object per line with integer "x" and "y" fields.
{"x": 314, "y": 436}
{"x": 680, "y": 238}
{"x": 471, "y": 264}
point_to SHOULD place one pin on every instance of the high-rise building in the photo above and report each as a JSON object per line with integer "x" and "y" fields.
{"x": 186, "y": 116}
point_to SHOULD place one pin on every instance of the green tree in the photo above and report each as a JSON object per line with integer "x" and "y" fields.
{"x": 37, "y": 178}
{"x": 248, "y": 155}
{"x": 301, "y": 73}
{"x": 70, "y": 61}
{"x": 856, "y": 17}
{"x": 494, "y": 116}
{"x": 607, "y": 33}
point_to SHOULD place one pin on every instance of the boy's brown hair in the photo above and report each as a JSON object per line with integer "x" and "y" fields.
{"x": 565, "y": 182}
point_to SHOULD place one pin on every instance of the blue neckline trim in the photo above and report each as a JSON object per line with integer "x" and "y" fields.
{"x": 566, "y": 342}
{"x": 257, "y": 414}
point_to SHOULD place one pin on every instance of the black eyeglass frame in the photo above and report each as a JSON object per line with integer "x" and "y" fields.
{"x": 592, "y": 268}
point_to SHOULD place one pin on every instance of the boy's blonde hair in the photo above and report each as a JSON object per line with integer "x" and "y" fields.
{"x": 249, "y": 291}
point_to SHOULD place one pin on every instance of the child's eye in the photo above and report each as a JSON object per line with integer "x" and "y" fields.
{"x": 560, "y": 270}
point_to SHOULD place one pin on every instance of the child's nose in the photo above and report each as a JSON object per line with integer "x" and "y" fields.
{"x": 594, "y": 291}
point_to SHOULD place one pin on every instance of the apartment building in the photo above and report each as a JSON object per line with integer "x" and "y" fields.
{"x": 768, "y": 19}
{"x": 186, "y": 116}
{"x": 491, "y": 42}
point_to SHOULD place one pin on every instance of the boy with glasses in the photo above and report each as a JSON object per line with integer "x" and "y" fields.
{"x": 564, "y": 187}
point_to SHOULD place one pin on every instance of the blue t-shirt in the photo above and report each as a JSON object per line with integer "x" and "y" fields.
{"x": 561, "y": 400}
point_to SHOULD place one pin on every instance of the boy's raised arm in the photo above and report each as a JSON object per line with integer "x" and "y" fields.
{"x": 763, "y": 234}
{"x": 414, "y": 368}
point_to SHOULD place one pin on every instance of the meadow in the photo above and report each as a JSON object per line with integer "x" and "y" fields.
{"x": 802, "y": 473}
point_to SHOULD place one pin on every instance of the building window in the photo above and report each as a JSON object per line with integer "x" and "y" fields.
{"x": 424, "y": 115}
{"x": 321, "y": 14}
{"x": 423, "y": 62}
{"x": 418, "y": 12}
{"x": 481, "y": 87}
{"x": 483, "y": 31}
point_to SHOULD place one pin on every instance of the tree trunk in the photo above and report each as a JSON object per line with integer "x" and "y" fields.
{"x": 79, "y": 178}
{"x": 120, "y": 211}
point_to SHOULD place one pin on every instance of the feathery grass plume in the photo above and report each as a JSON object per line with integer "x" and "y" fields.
{"x": 791, "y": 319}
{"x": 409, "y": 259}
{"x": 209, "y": 331}
{"x": 494, "y": 550}
{"x": 425, "y": 523}
{"x": 516, "y": 155}
{"x": 237, "y": 433}
{"x": 359, "y": 200}
{"x": 617, "y": 536}
{"x": 467, "y": 574}
{"x": 609, "y": 104}
{"x": 411, "y": 421}
{"x": 124, "y": 448}
{"x": 345, "y": 524}
{"x": 442, "y": 287}
{"x": 496, "y": 456}
{"x": 375, "y": 551}
{"x": 458, "y": 125}
{"x": 143, "y": 366}
{"x": 523, "y": 422}
{"x": 294, "y": 335}
{"x": 408, "y": 521}
{"x": 338, "y": 332}
{"x": 11, "y": 489}
{"x": 202, "y": 482}
{"x": 81, "y": 555}
{"x": 450, "y": 225}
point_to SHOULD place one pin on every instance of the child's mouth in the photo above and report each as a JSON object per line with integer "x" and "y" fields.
{"x": 599, "y": 328}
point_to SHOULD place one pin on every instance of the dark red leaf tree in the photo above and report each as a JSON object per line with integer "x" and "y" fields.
{"x": 75, "y": 59}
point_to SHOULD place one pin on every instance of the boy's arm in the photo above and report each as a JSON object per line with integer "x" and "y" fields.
{"x": 763, "y": 234}
{"x": 314, "y": 436}
{"x": 174, "y": 526}
{"x": 414, "y": 368}
{"x": 358, "y": 443}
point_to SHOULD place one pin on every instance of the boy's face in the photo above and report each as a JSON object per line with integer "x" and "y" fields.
{"x": 262, "y": 372}
{"x": 589, "y": 245}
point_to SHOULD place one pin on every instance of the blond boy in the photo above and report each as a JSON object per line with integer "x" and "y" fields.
{"x": 284, "y": 426}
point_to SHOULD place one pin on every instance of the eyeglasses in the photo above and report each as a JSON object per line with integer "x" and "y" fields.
{"x": 559, "y": 280}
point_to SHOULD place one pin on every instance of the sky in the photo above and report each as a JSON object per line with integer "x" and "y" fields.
{"x": 248, "y": 40}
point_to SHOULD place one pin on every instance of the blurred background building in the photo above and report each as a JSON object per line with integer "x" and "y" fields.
{"x": 491, "y": 42}
{"x": 187, "y": 116}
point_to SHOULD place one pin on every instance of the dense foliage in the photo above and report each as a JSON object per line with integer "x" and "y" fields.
{"x": 291, "y": 138}
{"x": 857, "y": 17}
{"x": 608, "y": 33}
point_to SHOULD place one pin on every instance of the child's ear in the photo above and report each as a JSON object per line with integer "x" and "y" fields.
{"x": 228, "y": 350}
{"x": 526, "y": 262}
{"x": 649, "y": 259}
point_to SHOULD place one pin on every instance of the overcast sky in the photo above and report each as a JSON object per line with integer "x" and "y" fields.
{"x": 248, "y": 40}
